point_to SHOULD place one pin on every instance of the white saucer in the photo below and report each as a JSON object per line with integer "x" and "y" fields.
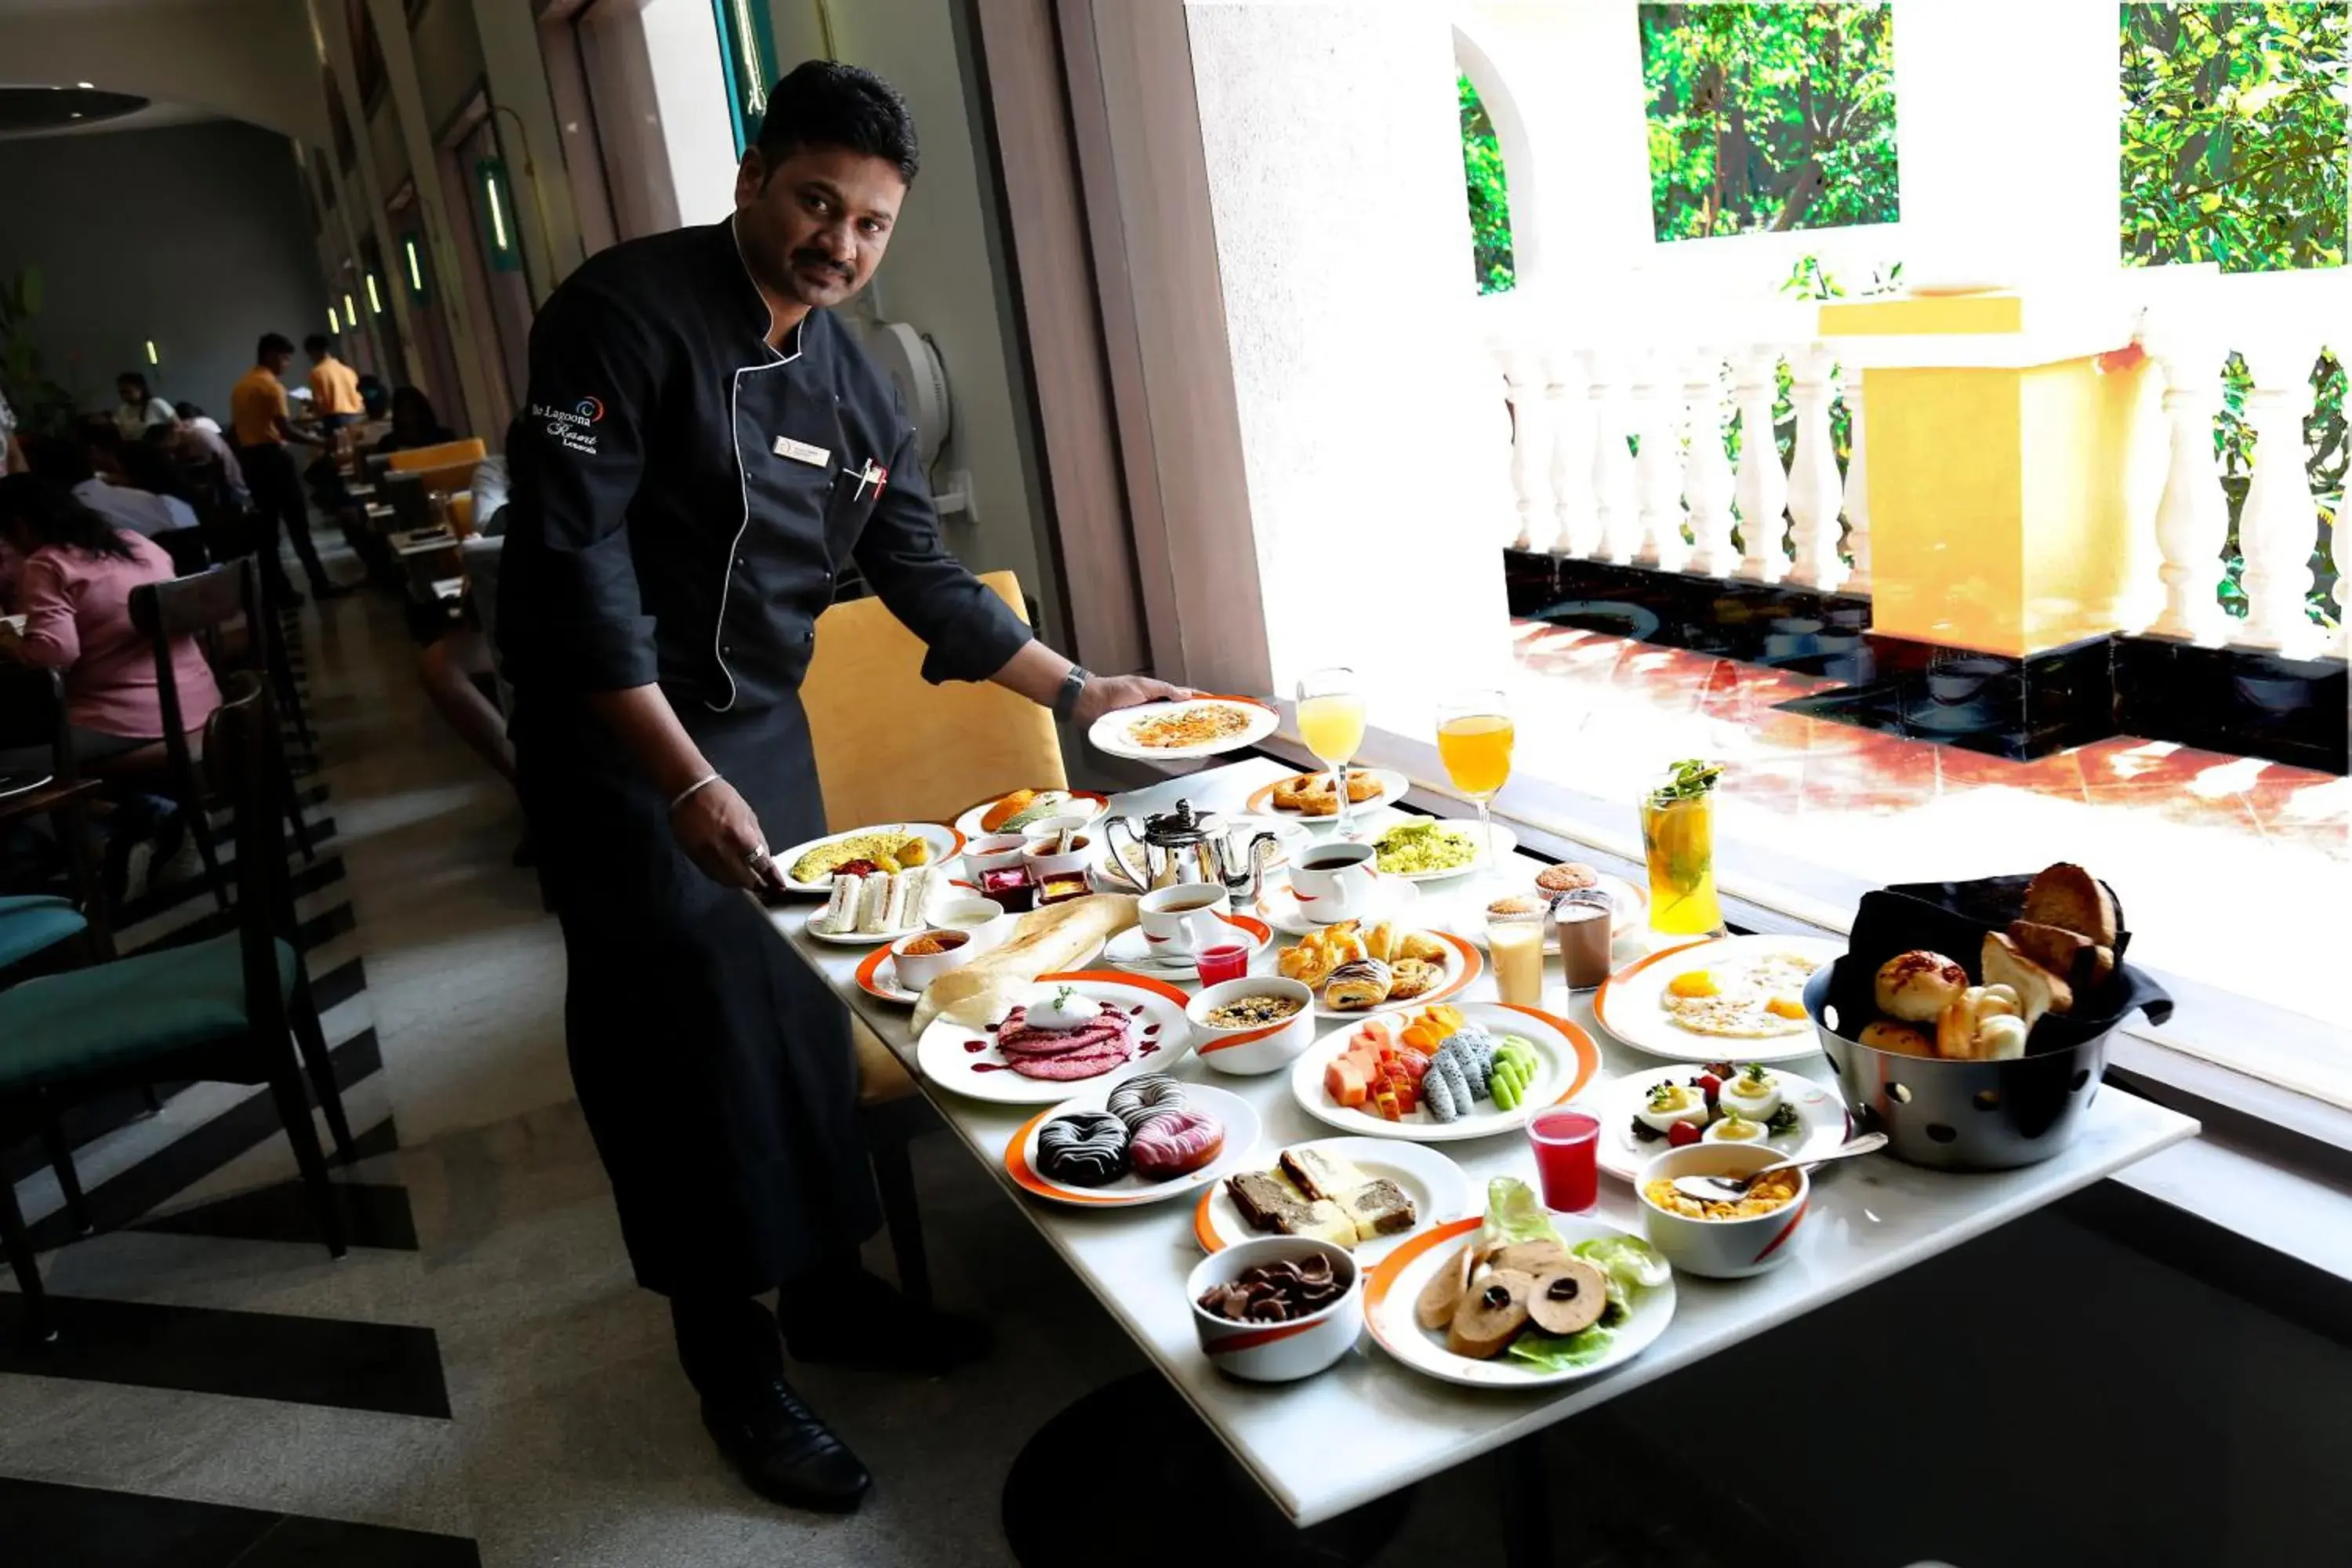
{"x": 1278, "y": 908}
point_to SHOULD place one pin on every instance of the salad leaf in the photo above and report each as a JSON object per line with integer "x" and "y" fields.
{"x": 1558, "y": 1352}
{"x": 1631, "y": 1264}
{"x": 1514, "y": 1214}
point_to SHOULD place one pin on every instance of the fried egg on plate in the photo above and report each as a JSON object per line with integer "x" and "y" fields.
{"x": 1754, "y": 1000}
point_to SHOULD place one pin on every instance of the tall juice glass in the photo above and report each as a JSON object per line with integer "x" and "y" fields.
{"x": 1331, "y": 722}
{"x": 1474, "y": 738}
{"x": 1678, "y": 840}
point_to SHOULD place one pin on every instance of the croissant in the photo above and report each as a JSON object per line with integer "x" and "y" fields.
{"x": 1380, "y": 942}
{"x": 1420, "y": 945}
{"x": 1362, "y": 983}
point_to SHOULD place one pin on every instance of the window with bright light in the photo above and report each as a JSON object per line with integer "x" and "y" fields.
{"x": 1489, "y": 194}
{"x": 748, "y": 45}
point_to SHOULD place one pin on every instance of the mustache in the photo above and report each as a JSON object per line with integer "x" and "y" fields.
{"x": 818, "y": 258}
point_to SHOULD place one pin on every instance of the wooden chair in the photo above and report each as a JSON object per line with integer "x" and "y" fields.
{"x": 235, "y": 1009}
{"x": 217, "y": 541}
{"x": 448, "y": 455}
{"x": 891, "y": 747}
{"x": 199, "y": 608}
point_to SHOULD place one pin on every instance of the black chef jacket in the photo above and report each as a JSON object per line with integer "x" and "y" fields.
{"x": 684, "y": 494}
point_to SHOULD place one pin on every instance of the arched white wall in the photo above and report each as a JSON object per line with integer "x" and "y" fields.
{"x": 247, "y": 59}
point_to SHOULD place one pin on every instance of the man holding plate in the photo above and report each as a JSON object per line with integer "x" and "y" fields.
{"x": 704, "y": 447}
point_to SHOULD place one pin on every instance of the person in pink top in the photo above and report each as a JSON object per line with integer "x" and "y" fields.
{"x": 73, "y": 589}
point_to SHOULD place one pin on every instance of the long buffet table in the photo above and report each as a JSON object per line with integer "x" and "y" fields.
{"x": 1302, "y": 1442}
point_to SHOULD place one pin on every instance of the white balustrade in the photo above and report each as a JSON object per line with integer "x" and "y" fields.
{"x": 1857, "y": 491}
{"x": 1657, "y": 479}
{"x": 1612, "y": 463}
{"x": 1707, "y": 470}
{"x": 1523, "y": 381}
{"x": 1568, "y": 403}
{"x": 1762, "y": 485}
{"x": 2276, "y": 520}
{"x": 2192, "y": 514}
{"x": 1813, "y": 471}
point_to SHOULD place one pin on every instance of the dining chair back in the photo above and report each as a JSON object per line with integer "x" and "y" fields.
{"x": 892, "y": 747}
{"x": 448, "y": 455}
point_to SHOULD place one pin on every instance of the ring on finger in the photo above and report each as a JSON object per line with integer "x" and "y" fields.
{"x": 756, "y": 857}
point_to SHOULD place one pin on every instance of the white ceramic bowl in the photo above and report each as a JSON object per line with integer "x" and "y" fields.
{"x": 1037, "y": 847}
{"x": 993, "y": 851}
{"x": 1720, "y": 1249}
{"x": 1258, "y": 1048}
{"x": 917, "y": 970}
{"x": 983, "y": 918}
{"x": 1276, "y": 1353}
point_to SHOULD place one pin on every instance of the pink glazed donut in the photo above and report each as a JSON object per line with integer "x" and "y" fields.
{"x": 1175, "y": 1144}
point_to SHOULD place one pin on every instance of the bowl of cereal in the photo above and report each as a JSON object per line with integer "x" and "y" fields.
{"x": 1726, "y": 1238}
{"x": 1258, "y": 1024}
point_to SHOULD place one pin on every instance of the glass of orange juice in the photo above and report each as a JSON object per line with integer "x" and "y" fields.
{"x": 1331, "y": 722}
{"x": 1678, "y": 842}
{"x": 1474, "y": 737}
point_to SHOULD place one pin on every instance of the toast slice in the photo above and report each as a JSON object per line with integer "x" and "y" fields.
{"x": 2066, "y": 896}
{"x": 2085, "y": 965}
{"x": 2038, "y": 990}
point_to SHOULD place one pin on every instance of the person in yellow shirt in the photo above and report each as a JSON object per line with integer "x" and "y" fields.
{"x": 334, "y": 385}
{"x": 258, "y": 413}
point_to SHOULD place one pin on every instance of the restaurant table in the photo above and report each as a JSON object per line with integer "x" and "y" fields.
{"x": 1370, "y": 1426}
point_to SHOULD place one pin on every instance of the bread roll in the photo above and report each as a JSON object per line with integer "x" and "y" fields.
{"x": 2069, "y": 897}
{"x": 1918, "y": 986}
{"x": 1881, "y": 1035}
{"x": 1054, "y": 938}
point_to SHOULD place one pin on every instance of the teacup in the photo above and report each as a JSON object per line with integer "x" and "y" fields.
{"x": 1182, "y": 921}
{"x": 1335, "y": 882}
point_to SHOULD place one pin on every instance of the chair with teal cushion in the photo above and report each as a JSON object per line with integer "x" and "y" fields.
{"x": 234, "y": 1009}
{"x": 33, "y": 923}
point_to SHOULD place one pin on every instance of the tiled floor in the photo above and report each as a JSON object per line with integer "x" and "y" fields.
{"x": 2232, "y": 870}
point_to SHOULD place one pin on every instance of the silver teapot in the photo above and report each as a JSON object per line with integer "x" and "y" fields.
{"x": 1182, "y": 846}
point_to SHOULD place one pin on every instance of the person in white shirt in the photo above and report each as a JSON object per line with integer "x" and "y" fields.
{"x": 141, "y": 512}
{"x": 190, "y": 414}
{"x": 140, "y": 407}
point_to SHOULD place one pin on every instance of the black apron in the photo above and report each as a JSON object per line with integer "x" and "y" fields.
{"x": 714, "y": 1066}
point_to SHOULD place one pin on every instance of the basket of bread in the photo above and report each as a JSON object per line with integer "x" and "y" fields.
{"x": 1968, "y": 1021}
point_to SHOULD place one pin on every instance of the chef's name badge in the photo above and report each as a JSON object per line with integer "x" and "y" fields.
{"x": 801, "y": 452}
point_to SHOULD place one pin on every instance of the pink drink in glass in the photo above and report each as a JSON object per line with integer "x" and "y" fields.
{"x": 1568, "y": 1147}
{"x": 1227, "y": 960}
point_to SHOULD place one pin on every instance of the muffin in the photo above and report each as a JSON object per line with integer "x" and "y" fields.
{"x": 1567, "y": 877}
{"x": 1517, "y": 904}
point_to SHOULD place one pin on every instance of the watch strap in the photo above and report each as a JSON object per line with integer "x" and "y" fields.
{"x": 1066, "y": 700}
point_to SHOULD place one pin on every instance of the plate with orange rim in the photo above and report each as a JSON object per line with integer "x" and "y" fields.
{"x": 1392, "y": 788}
{"x": 1464, "y": 964}
{"x": 968, "y": 1062}
{"x": 1226, "y": 723}
{"x": 1631, "y": 1004}
{"x": 1131, "y": 950}
{"x": 877, "y": 976}
{"x": 1085, "y": 803}
{"x": 1129, "y": 1190}
{"x": 1567, "y": 1060}
{"x": 1440, "y": 1192}
{"x": 1393, "y": 1288}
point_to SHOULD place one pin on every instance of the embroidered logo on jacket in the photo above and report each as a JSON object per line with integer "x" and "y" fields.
{"x": 572, "y": 426}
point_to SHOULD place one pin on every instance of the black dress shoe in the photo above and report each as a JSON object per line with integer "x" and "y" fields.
{"x": 785, "y": 1453}
{"x": 861, "y": 1320}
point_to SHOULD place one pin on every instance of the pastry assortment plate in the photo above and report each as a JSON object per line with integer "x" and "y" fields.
{"x": 1631, "y": 1005}
{"x": 1567, "y": 1055}
{"x": 1130, "y": 1190}
{"x": 1392, "y": 900}
{"x": 1440, "y": 1192}
{"x": 1082, "y": 803}
{"x": 1393, "y": 785}
{"x": 1114, "y": 732}
{"x": 1396, "y": 1283}
{"x": 877, "y": 976}
{"x": 967, "y": 1061}
{"x": 1822, "y": 1115}
{"x": 1131, "y": 950}
{"x": 1464, "y": 964}
{"x": 945, "y": 842}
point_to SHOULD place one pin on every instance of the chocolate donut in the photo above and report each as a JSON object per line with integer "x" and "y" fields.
{"x": 1144, "y": 1099}
{"x": 1174, "y": 1142}
{"x": 1084, "y": 1149}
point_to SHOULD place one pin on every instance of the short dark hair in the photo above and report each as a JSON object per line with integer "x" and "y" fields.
{"x": 823, "y": 103}
{"x": 135, "y": 379}
{"x": 47, "y": 510}
{"x": 315, "y": 343}
{"x": 273, "y": 343}
{"x": 188, "y": 410}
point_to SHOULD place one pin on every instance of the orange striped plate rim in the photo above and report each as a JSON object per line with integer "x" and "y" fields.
{"x": 1096, "y": 796}
{"x": 1601, "y": 997}
{"x": 1016, "y": 1165}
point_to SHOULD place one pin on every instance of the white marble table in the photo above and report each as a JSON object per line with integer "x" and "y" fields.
{"x": 1307, "y": 1443}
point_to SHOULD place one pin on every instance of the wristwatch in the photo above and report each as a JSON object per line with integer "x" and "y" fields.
{"x": 1066, "y": 700}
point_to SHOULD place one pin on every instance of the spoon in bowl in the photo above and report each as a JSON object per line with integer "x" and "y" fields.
{"x": 1726, "y": 1189}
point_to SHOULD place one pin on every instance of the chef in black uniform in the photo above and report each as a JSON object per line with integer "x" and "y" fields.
{"x": 704, "y": 447}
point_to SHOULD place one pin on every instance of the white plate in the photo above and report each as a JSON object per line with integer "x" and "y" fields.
{"x": 1567, "y": 1053}
{"x": 855, "y": 938}
{"x": 1112, "y": 732}
{"x": 1506, "y": 843}
{"x": 946, "y": 844}
{"x": 1131, "y": 950}
{"x": 1394, "y": 1287}
{"x": 1082, "y": 803}
{"x": 1392, "y": 897}
{"x": 944, "y": 1052}
{"x": 1627, "y": 1003}
{"x": 1393, "y": 785}
{"x": 1440, "y": 1192}
{"x": 878, "y": 976}
{"x": 1823, "y": 1123}
{"x": 1464, "y": 964}
{"x": 1128, "y": 1190}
